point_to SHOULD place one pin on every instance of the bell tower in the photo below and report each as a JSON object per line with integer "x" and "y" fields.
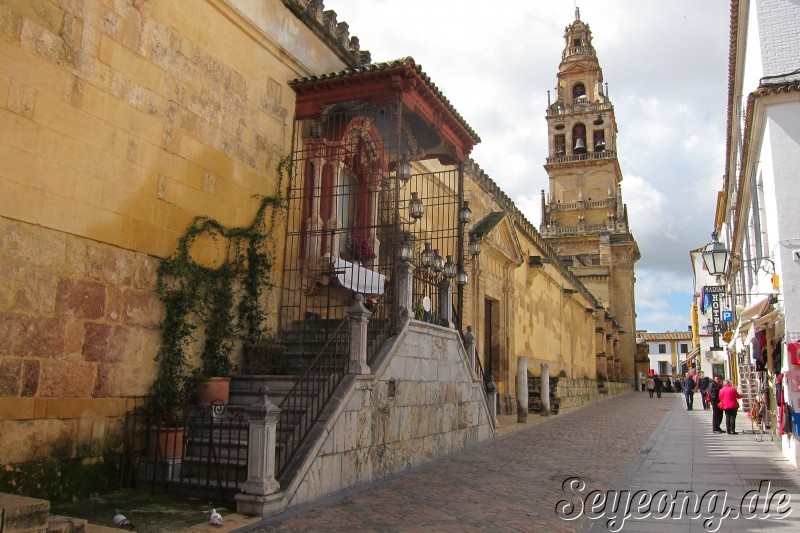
{"x": 583, "y": 216}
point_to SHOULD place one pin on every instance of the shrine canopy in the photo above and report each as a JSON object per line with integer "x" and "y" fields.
{"x": 429, "y": 125}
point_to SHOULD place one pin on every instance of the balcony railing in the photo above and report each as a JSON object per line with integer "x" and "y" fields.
{"x": 580, "y": 205}
{"x": 589, "y": 156}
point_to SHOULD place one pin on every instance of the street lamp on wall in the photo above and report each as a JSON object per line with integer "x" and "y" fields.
{"x": 716, "y": 257}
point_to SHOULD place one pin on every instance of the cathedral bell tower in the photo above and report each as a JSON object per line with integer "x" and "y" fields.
{"x": 583, "y": 216}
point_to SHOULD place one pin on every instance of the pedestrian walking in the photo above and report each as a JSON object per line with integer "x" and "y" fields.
{"x": 702, "y": 385}
{"x": 676, "y": 384}
{"x": 642, "y": 381}
{"x": 688, "y": 390}
{"x": 713, "y": 398}
{"x": 659, "y": 385}
{"x": 651, "y": 385}
{"x": 729, "y": 401}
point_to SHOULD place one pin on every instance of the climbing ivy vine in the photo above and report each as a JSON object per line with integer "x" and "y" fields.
{"x": 226, "y": 300}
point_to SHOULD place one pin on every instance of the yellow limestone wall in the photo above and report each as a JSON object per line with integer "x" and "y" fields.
{"x": 536, "y": 319}
{"x": 119, "y": 123}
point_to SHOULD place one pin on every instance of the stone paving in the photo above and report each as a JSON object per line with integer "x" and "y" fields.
{"x": 511, "y": 483}
{"x": 515, "y": 482}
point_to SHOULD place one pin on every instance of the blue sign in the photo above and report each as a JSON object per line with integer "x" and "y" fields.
{"x": 727, "y": 316}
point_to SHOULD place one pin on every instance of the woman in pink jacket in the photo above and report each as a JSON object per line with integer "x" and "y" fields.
{"x": 729, "y": 402}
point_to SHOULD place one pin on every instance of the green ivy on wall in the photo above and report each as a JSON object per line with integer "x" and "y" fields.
{"x": 226, "y": 299}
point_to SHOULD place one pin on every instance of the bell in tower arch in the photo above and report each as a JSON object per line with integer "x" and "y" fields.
{"x": 580, "y": 146}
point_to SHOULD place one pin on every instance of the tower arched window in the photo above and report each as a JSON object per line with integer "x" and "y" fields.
{"x": 599, "y": 140}
{"x": 579, "y": 139}
{"x": 579, "y": 92}
{"x": 560, "y": 144}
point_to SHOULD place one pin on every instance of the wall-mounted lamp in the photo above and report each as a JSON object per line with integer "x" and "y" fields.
{"x": 716, "y": 257}
{"x": 474, "y": 247}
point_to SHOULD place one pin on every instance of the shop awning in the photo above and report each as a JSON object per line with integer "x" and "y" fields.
{"x": 691, "y": 355}
{"x": 357, "y": 278}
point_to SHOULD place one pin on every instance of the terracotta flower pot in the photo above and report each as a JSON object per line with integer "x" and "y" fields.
{"x": 166, "y": 442}
{"x": 214, "y": 391}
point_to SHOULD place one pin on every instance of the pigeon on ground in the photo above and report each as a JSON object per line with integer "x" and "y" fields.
{"x": 216, "y": 518}
{"x": 120, "y": 520}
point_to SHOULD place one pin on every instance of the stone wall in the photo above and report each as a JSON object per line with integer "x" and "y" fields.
{"x": 79, "y": 326}
{"x": 422, "y": 402}
{"x": 566, "y": 393}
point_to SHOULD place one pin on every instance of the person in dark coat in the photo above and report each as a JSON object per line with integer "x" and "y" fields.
{"x": 688, "y": 390}
{"x": 659, "y": 386}
{"x": 716, "y": 411}
{"x": 702, "y": 385}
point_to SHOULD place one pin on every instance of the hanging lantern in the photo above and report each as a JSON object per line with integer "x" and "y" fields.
{"x": 415, "y": 207}
{"x": 404, "y": 171}
{"x": 406, "y": 250}
{"x": 427, "y": 256}
{"x": 438, "y": 263}
{"x": 461, "y": 278}
{"x": 449, "y": 268}
{"x": 465, "y": 214}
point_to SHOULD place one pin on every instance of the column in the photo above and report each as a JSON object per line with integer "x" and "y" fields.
{"x": 545, "y": 389}
{"x": 359, "y": 319}
{"x": 522, "y": 389}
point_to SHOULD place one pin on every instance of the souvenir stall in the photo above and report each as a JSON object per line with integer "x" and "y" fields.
{"x": 756, "y": 358}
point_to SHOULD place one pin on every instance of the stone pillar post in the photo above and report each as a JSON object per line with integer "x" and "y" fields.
{"x": 469, "y": 346}
{"x": 258, "y": 496}
{"x": 491, "y": 394}
{"x": 446, "y": 303}
{"x": 405, "y": 290}
{"x": 522, "y": 389}
{"x": 359, "y": 317}
{"x": 545, "y": 390}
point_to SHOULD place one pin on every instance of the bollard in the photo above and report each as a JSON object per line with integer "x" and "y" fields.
{"x": 522, "y": 389}
{"x": 545, "y": 389}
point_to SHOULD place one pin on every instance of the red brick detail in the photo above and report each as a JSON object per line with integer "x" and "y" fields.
{"x": 31, "y": 335}
{"x": 30, "y": 378}
{"x": 104, "y": 343}
{"x": 10, "y": 370}
{"x": 80, "y": 299}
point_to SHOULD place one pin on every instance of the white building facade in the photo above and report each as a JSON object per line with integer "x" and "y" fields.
{"x": 758, "y": 213}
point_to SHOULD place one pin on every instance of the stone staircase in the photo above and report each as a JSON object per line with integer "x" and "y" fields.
{"x": 20, "y": 514}
{"x": 215, "y": 459}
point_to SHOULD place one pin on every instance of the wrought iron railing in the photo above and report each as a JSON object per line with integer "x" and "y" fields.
{"x": 201, "y": 454}
{"x": 303, "y": 404}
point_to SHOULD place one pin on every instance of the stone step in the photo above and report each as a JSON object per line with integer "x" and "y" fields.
{"x": 22, "y": 514}
{"x": 65, "y": 524}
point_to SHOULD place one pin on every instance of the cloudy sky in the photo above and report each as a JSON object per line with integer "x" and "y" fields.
{"x": 666, "y": 68}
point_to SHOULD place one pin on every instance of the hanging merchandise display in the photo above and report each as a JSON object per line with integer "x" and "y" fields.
{"x": 794, "y": 352}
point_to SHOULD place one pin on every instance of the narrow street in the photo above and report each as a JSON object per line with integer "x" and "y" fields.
{"x": 514, "y": 483}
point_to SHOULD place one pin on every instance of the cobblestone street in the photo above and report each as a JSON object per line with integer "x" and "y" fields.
{"x": 511, "y": 483}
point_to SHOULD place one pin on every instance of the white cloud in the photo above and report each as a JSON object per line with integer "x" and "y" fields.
{"x": 667, "y": 74}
